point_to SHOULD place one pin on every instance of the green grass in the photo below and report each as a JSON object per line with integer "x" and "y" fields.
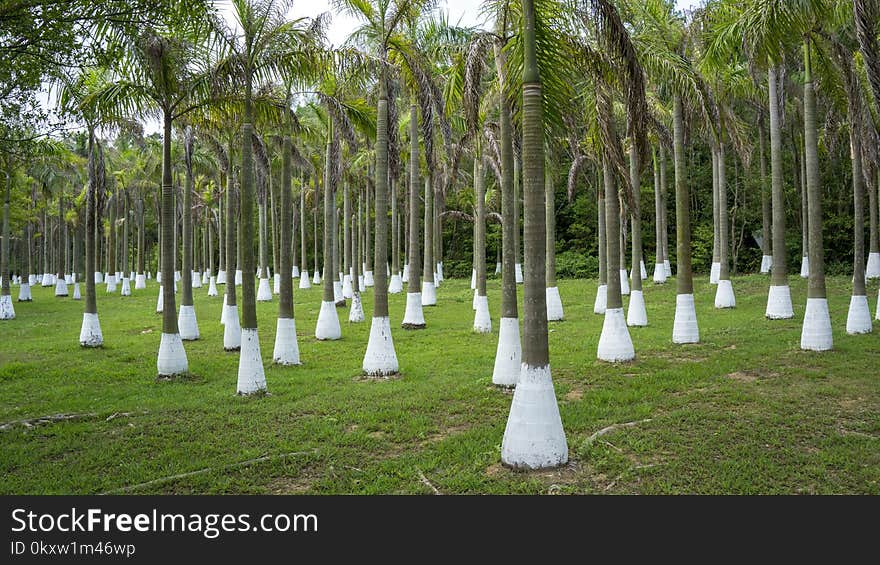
{"x": 745, "y": 411}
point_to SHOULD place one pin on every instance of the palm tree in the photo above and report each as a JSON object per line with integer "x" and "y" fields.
{"x": 533, "y": 437}
{"x": 7, "y": 310}
{"x": 413, "y": 317}
{"x": 636, "y": 315}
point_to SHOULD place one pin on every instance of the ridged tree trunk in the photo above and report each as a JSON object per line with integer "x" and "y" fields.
{"x": 716, "y": 225}
{"x": 779, "y": 273}
{"x": 231, "y": 244}
{"x": 816, "y": 287}
{"x": 723, "y": 220}
{"x": 517, "y": 213}
{"x": 872, "y": 188}
{"x": 414, "y": 282}
{"x": 221, "y": 265}
{"x": 636, "y": 218}
{"x": 111, "y": 236}
{"x": 534, "y": 437}
{"x": 664, "y": 193}
{"x": 276, "y": 235}
{"x": 304, "y": 258}
{"x": 186, "y": 297}
{"x": 612, "y": 238}
{"x": 62, "y": 238}
{"x": 329, "y": 197}
{"x": 169, "y": 306}
{"x": 395, "y": 231}
{"x": 766, "y": 207}
{"x": 346, "y": 231}
{"x": 603, "y": 231}
{"x": 285, "y": 298}
{"x": 858, "y": 182}
{"x": 4, "y": 250}
{"x": 684, "y": 279}
{"x": 316, "y": 198}
{"x": 801, "y": 180}
{"x": 368, "y": 249}
{"x": 550, "y": 226}
{"x": 380, "y": 258}
{"x": 508, "y": 199}
{"x": 428, "y": 264}
{"x": 480, "y": 227}
{"x": 91, "y": 226}
{"x": 659, "y": 204}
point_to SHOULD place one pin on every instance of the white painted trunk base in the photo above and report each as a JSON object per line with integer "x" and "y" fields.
{"x": 221, "y": 277}
{"x": 667, "y": 267}
{"x": 294, "y": 272}
{"x": 356, "y": 312}
{"x": 67, "y": 279}
{"x": 858, "y": 319}
{"x": 473, "y": 279}
{"x": 47, "y": 280}
{"x": 554, "y": 304}
{"x": 436, "y": 280}
{"x": 497, "y": 268}
{"x": 205, "y": 278}
{"x": 337, "y": 292}
{"x": 7, "y": 310}
{"x": 304, "y": 283}
{"x": 429, "y": 294}
{"x": 76, "y": 294}
{"x": 346, "y": 286}
{"x": 32, "y": 280}
{"x": 395, "y": 286}
{"x": 643, "y": 270}
{"x": 715, "y": 273}
{"x": 413, "y": 316}
{"x": 872, "y": 269}
{"x": 404, "y": 277}
{"x": 187, "y": 324}
{"x": 328, "y": 327}
{"x": 264, "y": 293}
{"x": 637, "y": 314}
{"x": 766, "y": 264}
{"x": 111, "y": 283}
{"x": 172, "y": 356}
{"x": 149, "y": 276}
{"x": 176, "y": 276}
{"x": 61, "y": 287}
{"x": 805, "y": 267}
{"x": 251, "y": 376}
{"x": 659, "y": 273}
{"x": 361, "y": 283}
{"x": 601, "y": 301}
{"x": 685, "y": 328}
{"x": 440, "y": 271}
{"x": 140, "y": 282}
{"x": 231, "y": 328}
{"x": 212, "y": 286}
{"x": 238, "y": 277}
{"x": 474, "y": 300}
{"x": 368, "y": 279}
{"x": 223, "y": 311}
{"x": 624, "y": 283}
{"x": 196, "y": 280}
{"x": 276, "y": 284}
{"x": 90, "y": 333}
{"x": 816, "y": 331}
{"x": 99, "y": 278}
{"x": 779, "y": 303}
{"x": 533, "y": 437}
{"x": 160, "y": 302}
{"x": 158, "y": 277}
{"x": 615, "y": 344}
{"x": 517, "y": 269}
{"x": 482, "y": 319}
{"x": 286, "y": 350}
{"x": 126, "y": 287}
{"x": 508, "y": 355}
{"x": 24, "y": 293}
{"x": 316, "y": 279}
{"x": 724, "y": 296}
{"x": 380, "y": 360}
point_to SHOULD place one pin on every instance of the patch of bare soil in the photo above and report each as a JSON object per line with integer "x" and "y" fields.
{"x": 750, "y": 375}
{"x": 574, "y": 395}
{"x": 293, "y": 485}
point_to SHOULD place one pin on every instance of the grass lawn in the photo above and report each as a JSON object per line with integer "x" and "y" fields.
{"x": 744, "y": 411}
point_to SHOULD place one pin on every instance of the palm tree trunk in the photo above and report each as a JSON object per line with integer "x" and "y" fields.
{"x": 413, "y": 318}
{"x": 480, "y": 223}
{"x": 858, "y": 201}
{"x": 7, "y": 310}
{"x": 346, "y": 231}
{"x": 395, "y": 232}
{"x": 508, "y": 202}
{"x": 779, "y": 271}
{"x": 612, "y": 238}
{"x": 169, "y": 307}
{"x": 304, "y": 260}
{"x": 636, "y": 218}
{"x": 368, "y": 251}
{"x": 766, "y": 208}
{"x": 684, "y": 278}
{"x": 221, "y": 241}
{"x": 658, "y": 212}
{"x": 276, "y": 236}
{"x": 603, "y": 231}
{"x": 534, "y": 405}
{"x": 550, "y": 213}
{"x": 716, "y": 225}
{"x": 723, "y": 219}
{"x": 663, "y": 194}
{"x": 428, "y": 264}
{"x": 231, "y": 244}
{"x": 316, "y": 198}
{"x": 285, "y": 299}
{"x": 186, "y": 298}
{"x": 329, "y": 197}
{"x": 92, "y": 225}
{"x": 816, "y": 287}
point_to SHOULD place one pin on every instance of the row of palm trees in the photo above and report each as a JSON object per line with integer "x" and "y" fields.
{"x": 612, "y": 87}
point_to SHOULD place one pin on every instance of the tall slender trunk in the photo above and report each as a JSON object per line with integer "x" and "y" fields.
{"x": 816, "y": 287}
{"x": 428, "y": 264}
{"x": 329, "y": 197}
{"x": 302, "y": 225}
{"x": 220, "y": 239}
{"x": 716, "y": 220}
{"x": 636, "y": 217}
{"x": 766, "y": 208}
{"x": 62, "y": 240}
{"x": 779, "y": 271}
{"x": 316, "y": 198}
{"x": 517, "y": 214}
{"x": 723, "y": 220}
{"x": 346, "y": 231}
{"x": 414, "y": 283}
{"x": 354, "y": 224}
{"x": 663, "y": 195}
{"x": 509, "y": 207}
{"x": 276, "y": 236}
{"x": 395, "y": 232}
{"x": 871, "y": 186}
{"x": 4, "y": 250}
{"x": 368, "y": 251}
{"x": 380, "y": 259}
{"x": 91, "y": 225}
{"x": 550, "y": 227}
{"x": 186, "y": 298}
{"x": 169, "y": 306}
{"x": 658, "y": 210}
{"x": 285, "y": 299}
{"x": 612, "y": 239}
{"x": 684, "y": 279}
{"x": 480, "y": 226}
{"x": 231, "y": 232}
